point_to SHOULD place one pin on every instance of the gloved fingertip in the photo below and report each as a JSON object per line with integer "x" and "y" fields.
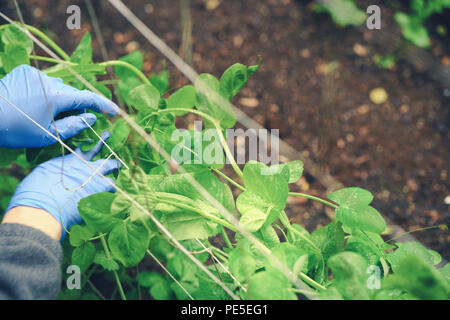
{"x": 89, "y": 117}
{"x": 106, "y": 135}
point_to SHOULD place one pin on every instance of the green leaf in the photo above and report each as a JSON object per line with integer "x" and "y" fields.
{"x": 345, "y": 12}
{"x": 188, "y": 225}
{"x": 182, "y": 98}
{"x": 266, "y": 191}
{"x": 370, "y": 245}
{"x": 14, "y": 55}
{"x": 134, "y": 58}
{"x": 125, "y": 86}
{"x": 83, "y": 256}
{"x": 329, "y": 239}
{"x": 242, "y": 264}
{"x": 96, "y": 212}
{"x": 129, "y": 242}
{"x": 413, "y": 29}
{"x": 287, "y": 254}
{"x": 270, "y": 285}
{"x": 148, "y": 279}
{"x": 161, "y": 290}
{"x": 419, "y": 279}
{"x": 79, "y": 234}
{"x": 268, "y": 235}
{"x": 211, "y": 102}
{"x": 410, "y": 248}
{"x": 354, "y": 210}
{"x": 8, "y": 184}
{"x": 349, "y": 275}
{"x": 12, "y": 34}
{"x": 145, "y": 98}
{"x": 295, "y": 170}
{"x": 160, "y": 81}
{"x": 234, "y": 79}
{"x": 107, "y": 263}
{"x": 9, "y": 156}
{"x": 59, "y": 71}
{"x": 83, "y": 52}
{"x": 119, "y": 136}
{"x": 349, "y": 196}
{"x": 253, "y": 219}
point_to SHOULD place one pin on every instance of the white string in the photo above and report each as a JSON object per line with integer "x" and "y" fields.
{"x": 220, "y": 264}
{"x": 104, "y": 142}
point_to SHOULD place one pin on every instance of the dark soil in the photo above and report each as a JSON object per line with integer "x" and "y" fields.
{"x": 399, "y": 150}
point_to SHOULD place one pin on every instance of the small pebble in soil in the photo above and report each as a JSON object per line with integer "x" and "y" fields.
{"x": 360, "y": 50}
{"x": 131, "y": 46}
{"x": 447, "y": 200}
{"x": 378, "y": 95}
{"x": 249, "y": 102}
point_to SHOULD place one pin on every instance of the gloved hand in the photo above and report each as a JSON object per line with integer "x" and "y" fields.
{"x": 23, "y": 87}
{"x": 46, "y": 188}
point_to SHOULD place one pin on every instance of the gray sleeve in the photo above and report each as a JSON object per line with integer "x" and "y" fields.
{"x": 30, "y": 263}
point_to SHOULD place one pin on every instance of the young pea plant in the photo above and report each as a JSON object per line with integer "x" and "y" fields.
{"x": 346, "y": 259}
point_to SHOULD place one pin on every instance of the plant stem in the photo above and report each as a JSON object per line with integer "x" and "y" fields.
{"x": 103, "y": 64}
{"x": 311, "y": 282}
{"x": 128, "y": 66}
{"x": 307, "y": 196}
{"x": 200, "y": 212}
{"x": 225, "y": 238}
{"x": 285, "y": 221}
{"x": 51, "y": 60}
{"x": 116, "y": 276}
{"x": 223, "y": 175}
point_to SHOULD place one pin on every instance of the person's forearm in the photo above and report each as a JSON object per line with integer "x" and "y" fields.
{"x": 35, "y": 218}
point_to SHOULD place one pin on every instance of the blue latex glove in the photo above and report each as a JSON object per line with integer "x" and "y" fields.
{"x": 44, "y": 189}
{"x": 23, "y": 87}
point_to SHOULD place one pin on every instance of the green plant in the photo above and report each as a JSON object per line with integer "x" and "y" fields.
{"x": 118, "y": 235}
{"x": 413, "y": 24}
{"x": 343, "y": 12}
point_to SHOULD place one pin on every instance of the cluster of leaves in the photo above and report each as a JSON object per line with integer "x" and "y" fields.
{"x": 346, "y": 13}
{"x": 117, "y": 237}
{"x": 413, "y": 24}
{"x": 343, "y": 12}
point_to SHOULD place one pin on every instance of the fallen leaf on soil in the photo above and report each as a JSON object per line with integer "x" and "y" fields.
{"x": 378, "y": 95}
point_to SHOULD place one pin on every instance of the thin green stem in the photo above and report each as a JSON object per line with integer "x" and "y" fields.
{"x": 223, "y": 175}
{"x": 311, "y": 282}
{"x": 116, "y": 276}
{"x": 307, "y": 196}
{"x": 215, "y": 219}
{"x": 285, "y": 221}
{"x": 225, "y": 238}
{"x": 103, "y": 64}
{"x": 129, "y": 67}
{"x": 51, "y": 60}
{"x": 420, "y": 229}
